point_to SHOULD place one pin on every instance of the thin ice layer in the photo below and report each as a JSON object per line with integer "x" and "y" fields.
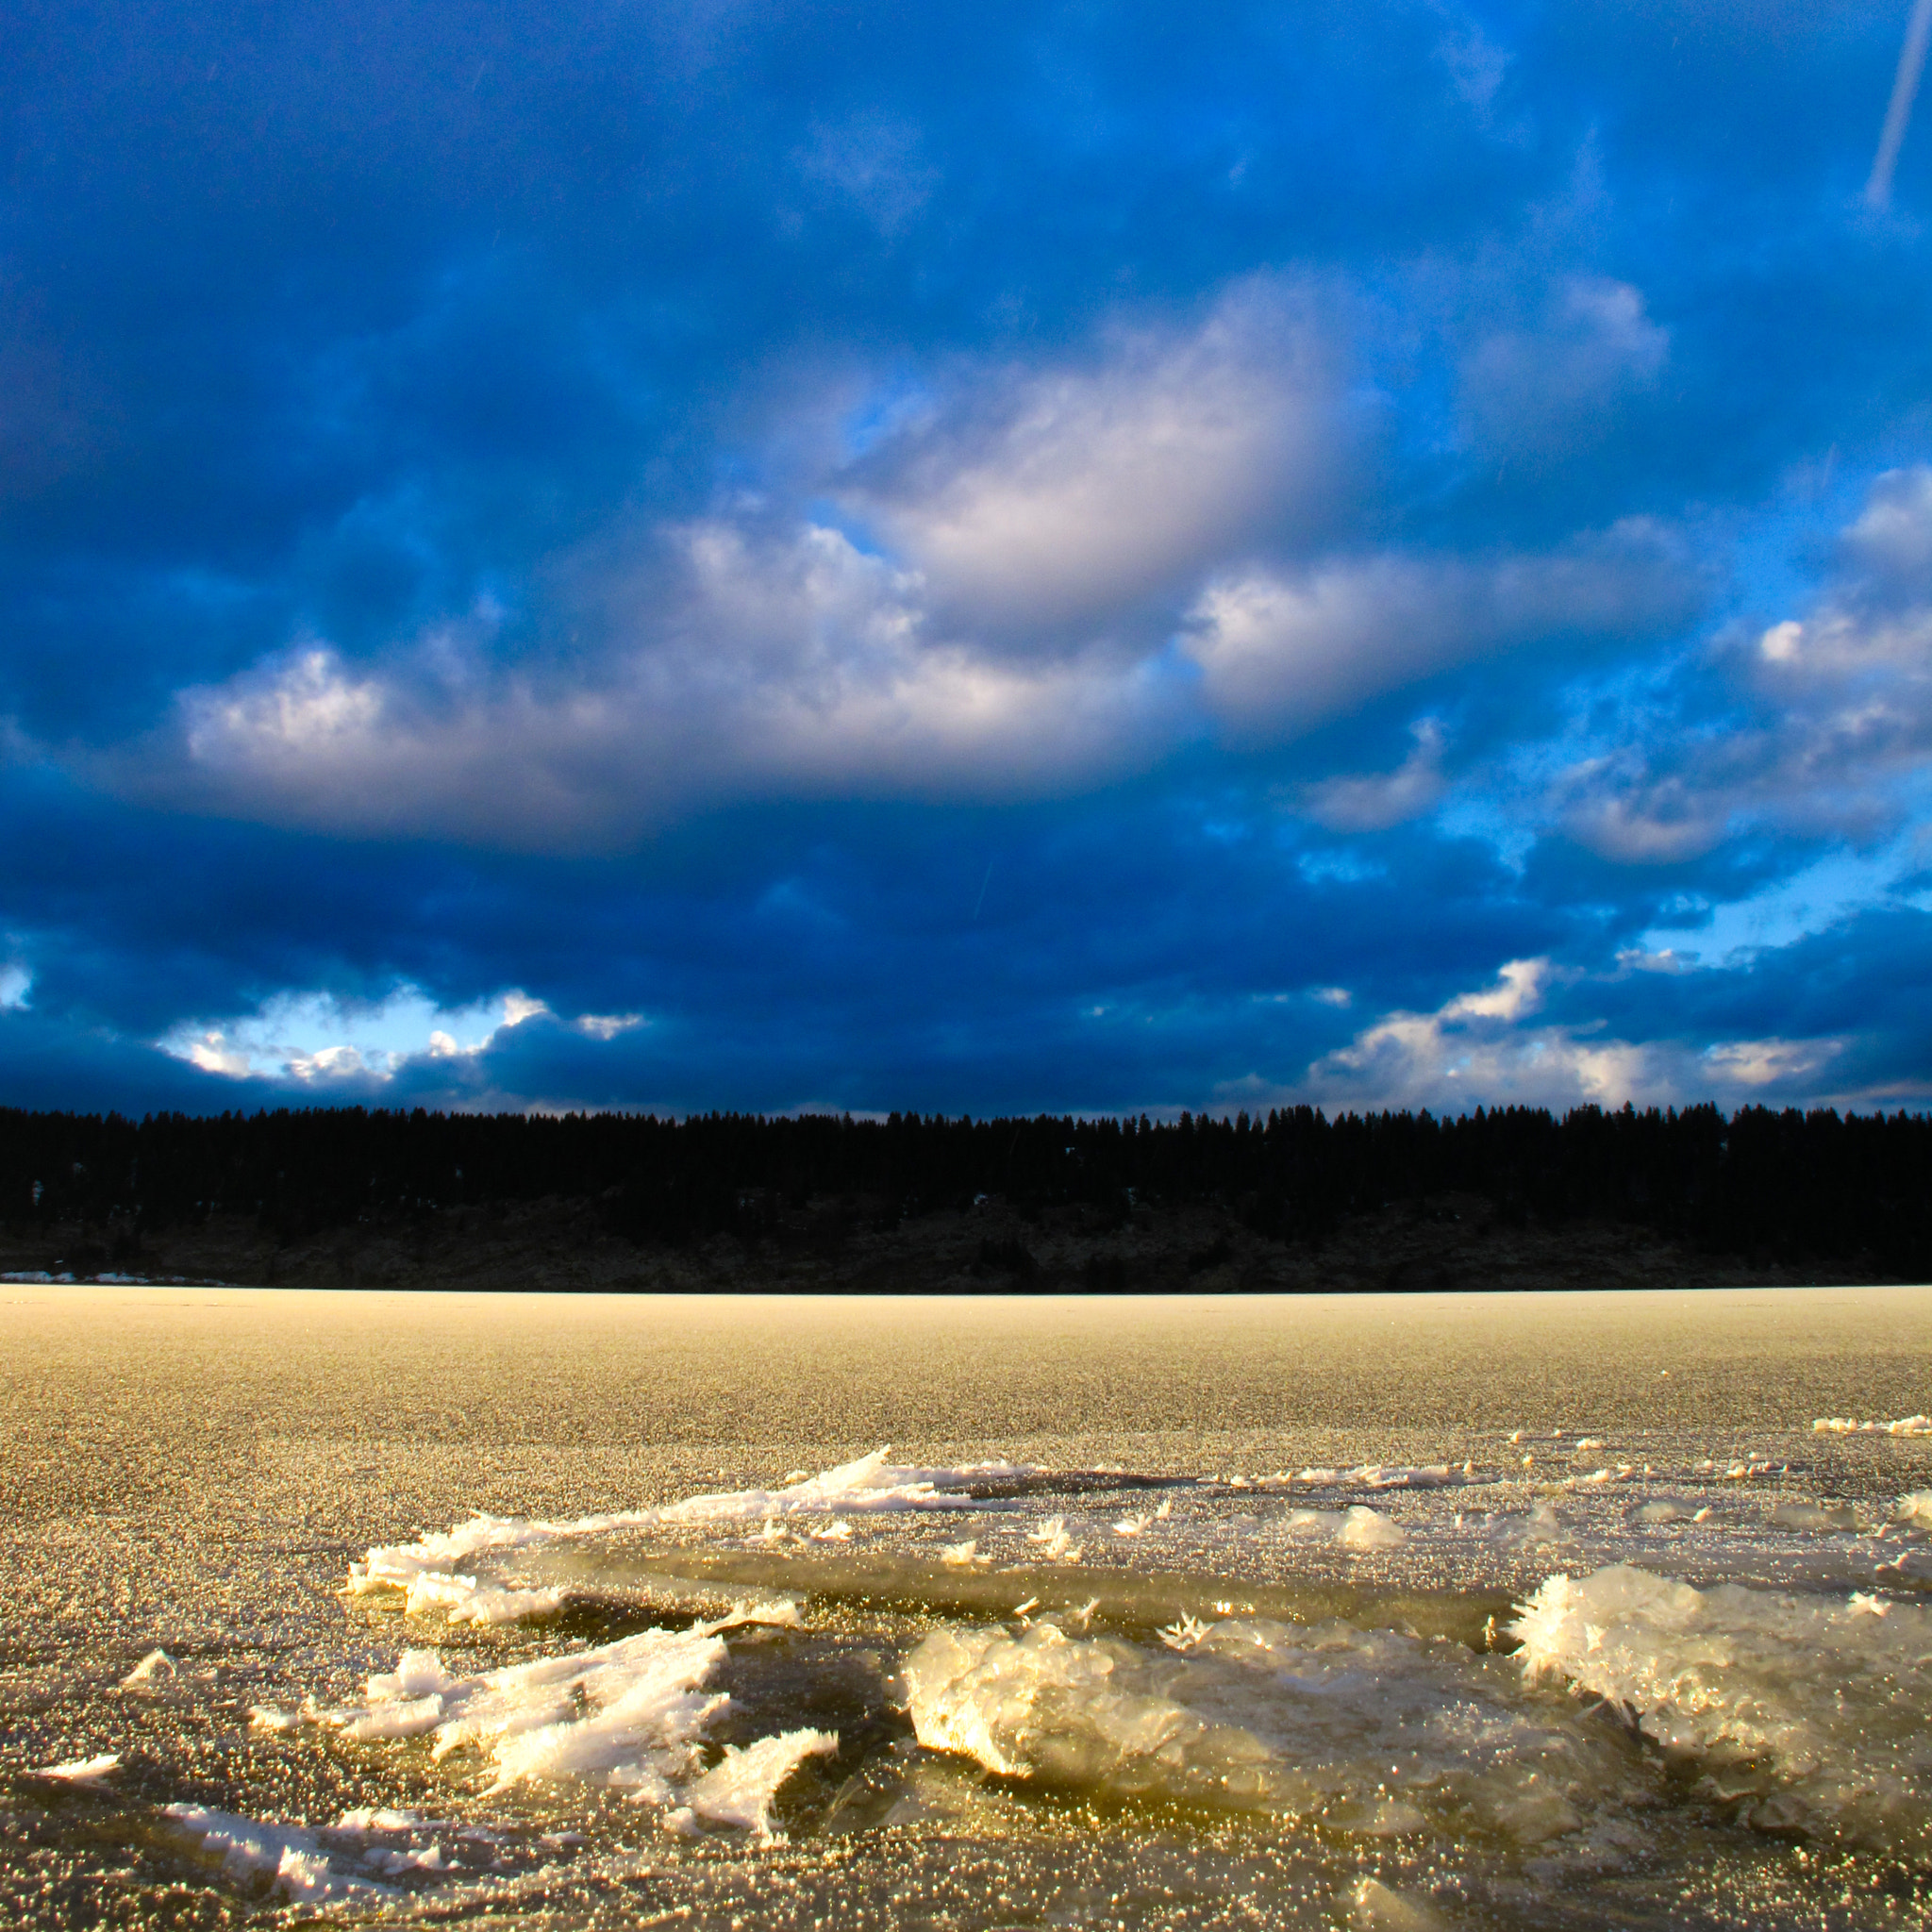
{"x": 81, "y": 1770}
{"x": 871, "y": 1484}
{"x": 631, "y": 1715}
{"x": 1374, "y": 1475}
{"x": 1370, "y": 1731}
{"x": 1809, "y": 1710}
{"x": 1850, "y": 1426}
{"x": 289, "y": 1856}
{"x": 464, "y": 1600}
{"x": 1357, "y": 1527}
{"x": 739, "y": 1788}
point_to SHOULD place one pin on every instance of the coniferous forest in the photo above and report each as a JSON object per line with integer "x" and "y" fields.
{"x": 1816, "y": 1190}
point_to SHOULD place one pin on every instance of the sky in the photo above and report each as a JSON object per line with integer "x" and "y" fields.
{"x": 970, "y": 559}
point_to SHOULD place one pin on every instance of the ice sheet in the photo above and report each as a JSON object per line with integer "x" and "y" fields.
{"x": 1373, "y": 1732}
{"x": 1848, "y": 1425}
{"x": 426, "y": 1570}
{"x": 1809, "y": 1711}
{"x": 630, "y": 1714}
{"x": 739, "y": 1788}
{"x": 291, "y": 1857}
{"x": 81, "y": 1770}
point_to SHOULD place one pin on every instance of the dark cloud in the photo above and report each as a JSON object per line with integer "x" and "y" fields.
{"x": 890, "y": 557}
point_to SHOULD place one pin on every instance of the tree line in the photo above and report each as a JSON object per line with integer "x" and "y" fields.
{"x": 1789, "y": 1186}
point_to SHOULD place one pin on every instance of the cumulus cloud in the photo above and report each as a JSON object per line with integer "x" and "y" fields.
{"x": 1375, "y": 801}
{"x": 784, "y": 660}
{"x": 1496, "y": 1048}
{"x": 788, "y": 661}
{"x": 1820, "y": 724}
{"x": 1888, "y": 546}
{"x": 1042, "y": 503}
{"x": 1282, "y": 651}
{"x": 1050, "y": 529}
{"x": 314, "y": 1040}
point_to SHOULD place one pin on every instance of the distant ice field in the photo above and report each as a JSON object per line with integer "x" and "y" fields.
{"x": 1406, "y": 1611}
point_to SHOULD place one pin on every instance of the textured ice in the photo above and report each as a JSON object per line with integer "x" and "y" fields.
{"x": 1376, "y": 1476}
{"x": 739, "y": 1788}
{"x": 1363, "y": 1528}
{"x": 1380, "y": 1908}
{"x": 630, "y": 1714}
{"x": 156, "y": 1668}
{"x": 1373, "y": 1732}
{"x": 1848, "y": 1425}
{"x": 870, "y": 1484}
{"x": 1357, "y": 1527}
{"x": 81, "y": 1770}
{"x": 464, "y": 1600}
{"x": 1055, "y": 1540}
{"x": 1807, "y": 1710}
{"x": 1047, "y": 1705}
{"x": 1834, "y": 1518}
{"x": 289, "y": 1856}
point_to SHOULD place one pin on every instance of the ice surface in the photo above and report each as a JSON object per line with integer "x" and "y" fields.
{"x": 1809, "y": 1711}
{"x": 739, "y": 1789}
{"x": 291, "y": 1858}
{"x": 1847, "y": 1425}
{"x": 630, "y": 1714}
{"x": 427, "y": 1569}
{"x": 155, "y": 1669}
{"x": 1373, "y": 1732}
{"x": 81, "y": 1770}
{"x": 1376, "y": 1476}
{"x": 1383, "y": 1774}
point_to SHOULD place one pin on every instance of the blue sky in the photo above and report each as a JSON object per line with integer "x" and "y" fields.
{"x": 988, "y": 558}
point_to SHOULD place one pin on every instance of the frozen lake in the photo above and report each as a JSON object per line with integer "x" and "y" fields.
{"x": 1392, "y": 1612}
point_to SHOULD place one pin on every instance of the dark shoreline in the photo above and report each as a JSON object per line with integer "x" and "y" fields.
{"x": 1450, "y": 1240}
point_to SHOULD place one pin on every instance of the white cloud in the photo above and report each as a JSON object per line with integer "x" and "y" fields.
{"x": 1281, "y": 651}
{"x": 1829, "y": 727}
{"x": 787, "y": 662}
{"x": 16, "y": 982}
{"x": 1063, "y": 496}
{"x": 1477, "y": 66}
{"x": 317, "y": 1040}
{"x": 607, "y": 1025}
{"x": 1892, "y": 540}
{"x": 310, "y": 708}
{"x": 210, "y": 1051}
{"x": 1491, "y": 1048}
{"x": 1051, "y": 529}
{"x": 1372, "y": 801}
